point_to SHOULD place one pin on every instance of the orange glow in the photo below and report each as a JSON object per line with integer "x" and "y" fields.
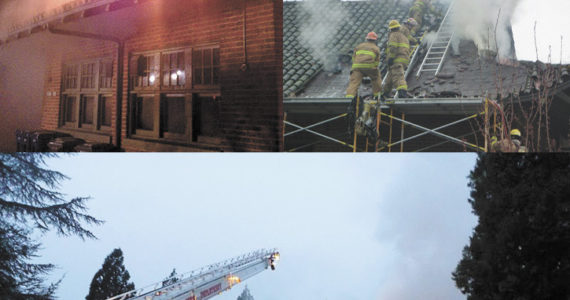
{"x": 232, "y": 279}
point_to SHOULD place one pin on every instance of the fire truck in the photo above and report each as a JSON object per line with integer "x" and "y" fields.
{"x": 209, "y": 281}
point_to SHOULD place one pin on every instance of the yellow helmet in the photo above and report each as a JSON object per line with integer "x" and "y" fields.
{"x": 516, "y": 132}
{"x": 394, "y": 24}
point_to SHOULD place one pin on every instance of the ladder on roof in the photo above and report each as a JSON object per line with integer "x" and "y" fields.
{"x": 433, "y": 61}
{"x": 208, "y": 281}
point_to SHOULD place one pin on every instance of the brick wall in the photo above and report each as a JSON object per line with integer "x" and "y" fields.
{"x": 251, "y": 105}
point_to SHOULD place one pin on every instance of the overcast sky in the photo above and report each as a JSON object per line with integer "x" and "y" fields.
{"x": 347, "y": 227}
{"x": 551, "y": 19}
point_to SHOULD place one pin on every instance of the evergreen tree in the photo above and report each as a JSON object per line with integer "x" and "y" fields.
{"x": 112, "y": 279}
{"x": 29, "y": 199}
{"x": 172, "y": 278}
{"x": 19, "y": 279}
{"x": 521, "y": 247}
{"x": 245, "y": 295}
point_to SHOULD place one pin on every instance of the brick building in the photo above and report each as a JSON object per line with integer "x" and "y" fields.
{"x": 163, "y": 75}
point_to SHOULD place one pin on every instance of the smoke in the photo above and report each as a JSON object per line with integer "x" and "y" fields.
{"x": 487, "y": 23}
{"x": 22, "y": 75}
{"x": 318, "y": 32}
{"x": 429, "y": 38}
{"x": 14, "y": 13}
{"x": 426, "y": 230}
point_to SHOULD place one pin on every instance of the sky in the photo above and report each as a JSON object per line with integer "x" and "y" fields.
{"x": 551, "y": 23}
{"x": 347, "y": 227}
{"x": 551, "y": 19}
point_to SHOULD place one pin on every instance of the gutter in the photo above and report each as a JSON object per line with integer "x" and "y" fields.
{"x": 120, "y": 69}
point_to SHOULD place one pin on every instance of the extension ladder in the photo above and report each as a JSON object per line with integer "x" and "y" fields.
{"x": 433, "y": 61}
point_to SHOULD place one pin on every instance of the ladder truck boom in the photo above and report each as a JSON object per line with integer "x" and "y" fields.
{"x": 209, "y": 281}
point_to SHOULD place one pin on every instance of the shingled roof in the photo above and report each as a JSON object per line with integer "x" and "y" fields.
{"x": 465, "y": 74}
{"x": 300, "y": 65}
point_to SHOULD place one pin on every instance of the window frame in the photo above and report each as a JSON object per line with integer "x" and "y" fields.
{"x": 160, "y": 92}
{"x": 80, "y": 93}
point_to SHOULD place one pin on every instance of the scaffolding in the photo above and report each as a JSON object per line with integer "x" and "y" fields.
{"x": 393, "y": 112}
{"x": 391, "y": 115}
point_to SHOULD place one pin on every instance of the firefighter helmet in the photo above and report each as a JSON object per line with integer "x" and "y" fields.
{"x": 372, "y": 36}
{"x": 412, "y": 22}
{"x": 394, "y": 24}
{"x": 516, "y": 132}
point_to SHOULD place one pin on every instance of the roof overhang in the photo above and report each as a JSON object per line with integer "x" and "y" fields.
{"x": 423, "y": 106}
{"x": 70, "y": 12}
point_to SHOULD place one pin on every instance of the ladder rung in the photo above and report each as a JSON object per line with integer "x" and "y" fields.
{"x": 439, "y": 47}
{"x": 433, "y": 53}
{"x": 431, "y": 64}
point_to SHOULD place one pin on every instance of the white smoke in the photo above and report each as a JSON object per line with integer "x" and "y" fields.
{"x": 487, "y": 23}
{"x": 15, "y": 13}
{"x": 325, "y": 18}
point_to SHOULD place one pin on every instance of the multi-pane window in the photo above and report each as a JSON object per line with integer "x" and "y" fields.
{"x": 144, "y": 113}
{"x": 70, "y": 77}
{"x": 173, "y": 69}
{"x": 86, "y": 94}
{"x": 69, "y": 109}
{"x": 105, "y": 111}
{"x": 206, "y": 65}
{"x": 146, "y": 72}
{"x": 166, "y": 94}
{"x": 206, "y": 122}
{"x": 87, "y": 108}
{"x": 106, "y": 75}
{"x": 88, "y": 76}
{"x": 173, "y": 116}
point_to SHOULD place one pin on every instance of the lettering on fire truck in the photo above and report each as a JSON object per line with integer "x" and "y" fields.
{"x": 212, "y": 290}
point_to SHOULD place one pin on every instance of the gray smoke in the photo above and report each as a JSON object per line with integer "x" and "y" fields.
{"x": 15, "y": 13}
{"x": 325, "y": 18}
{"x": 487, "y": 23}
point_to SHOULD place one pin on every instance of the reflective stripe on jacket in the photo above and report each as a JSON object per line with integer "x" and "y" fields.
{"x": 405, "y": 31}
{"x": 366, "y": 56}
{"x": 398, "y": 47}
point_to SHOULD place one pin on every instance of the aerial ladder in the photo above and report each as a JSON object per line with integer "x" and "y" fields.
{"x": 209, "y": 281}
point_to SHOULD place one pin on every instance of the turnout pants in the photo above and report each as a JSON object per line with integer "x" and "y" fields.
{"x": 395, "y": 79}
{"x": 356, "y": 78}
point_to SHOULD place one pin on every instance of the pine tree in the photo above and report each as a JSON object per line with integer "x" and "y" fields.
{"x": 521, "y": 247}
{"x": 29, "y": 199}
{"x": 245, "y": 295}
{"x": 28, "y": 193}
{"x": 112, "y": 279}
{"x": 18, "y": 278}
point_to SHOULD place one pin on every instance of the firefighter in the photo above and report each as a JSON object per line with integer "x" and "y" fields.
{"x": 417, "y": 12}
{"x": 511, "y": 145}
{"x": 516, "y": 138}
{"x": 409, "y": 24}
{"x": 365, "y": 61}
{"x": 398, "y": 55}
